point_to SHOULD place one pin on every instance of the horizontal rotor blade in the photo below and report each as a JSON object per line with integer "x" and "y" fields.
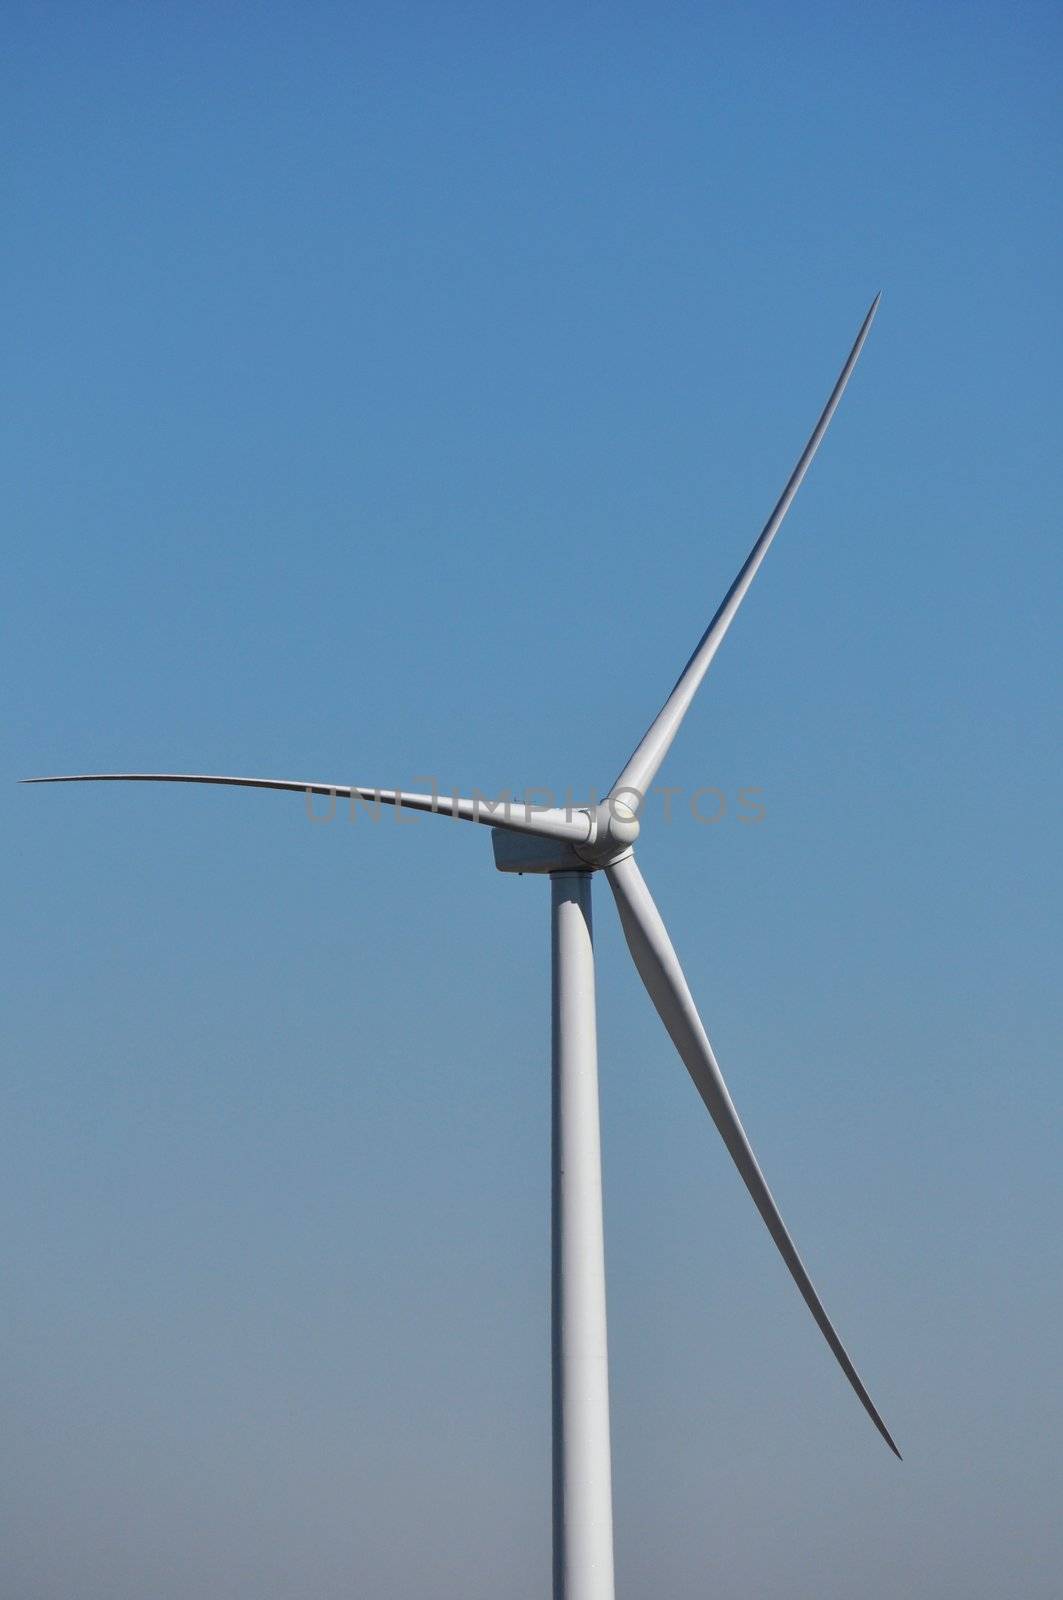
{"x": 645, "y": 763}
{"x": 517, "y": 816}
{"x": 658, "y": 967}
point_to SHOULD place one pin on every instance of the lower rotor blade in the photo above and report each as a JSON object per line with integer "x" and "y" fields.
{"x": 516, "y": 816}
{"x": 658, "y": 967}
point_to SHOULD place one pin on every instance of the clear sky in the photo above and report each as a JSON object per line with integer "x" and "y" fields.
{"x": 394, "y": 390}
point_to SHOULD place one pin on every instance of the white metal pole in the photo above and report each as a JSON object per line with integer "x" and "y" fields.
{"x": 583, "y": 1509}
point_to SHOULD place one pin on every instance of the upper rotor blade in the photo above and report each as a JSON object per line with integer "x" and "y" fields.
{"x": 645, "y": 763}
{"x": 659, "y": 969}
{"x": 517, "y": 816}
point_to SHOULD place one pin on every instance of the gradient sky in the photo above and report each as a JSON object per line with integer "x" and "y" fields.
{"x": 395, "y": 390}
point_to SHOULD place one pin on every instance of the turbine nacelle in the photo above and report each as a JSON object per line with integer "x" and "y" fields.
{"x": 611, "y": 829}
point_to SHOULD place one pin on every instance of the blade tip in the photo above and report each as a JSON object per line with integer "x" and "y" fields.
{"x": 884, "y": 1431}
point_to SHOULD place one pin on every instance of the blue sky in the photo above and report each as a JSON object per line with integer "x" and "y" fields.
{"x": 395, "y": 391}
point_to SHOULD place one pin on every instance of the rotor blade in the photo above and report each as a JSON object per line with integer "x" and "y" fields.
{"x": 659, "y": 969}
{"x": 517, "y": 816}
{"x": 645, "y": 763}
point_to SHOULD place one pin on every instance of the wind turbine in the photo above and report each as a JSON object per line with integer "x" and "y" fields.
{"x": 570, "y": 846}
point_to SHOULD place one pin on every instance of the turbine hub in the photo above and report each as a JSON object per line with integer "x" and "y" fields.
{"x": 621, "y": 821}
{"x": 614, "y": 829}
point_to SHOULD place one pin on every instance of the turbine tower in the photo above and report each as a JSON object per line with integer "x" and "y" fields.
{"x": 570, "y": 846}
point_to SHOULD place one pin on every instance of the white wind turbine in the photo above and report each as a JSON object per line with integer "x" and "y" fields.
{"x": 570, "y": 846}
